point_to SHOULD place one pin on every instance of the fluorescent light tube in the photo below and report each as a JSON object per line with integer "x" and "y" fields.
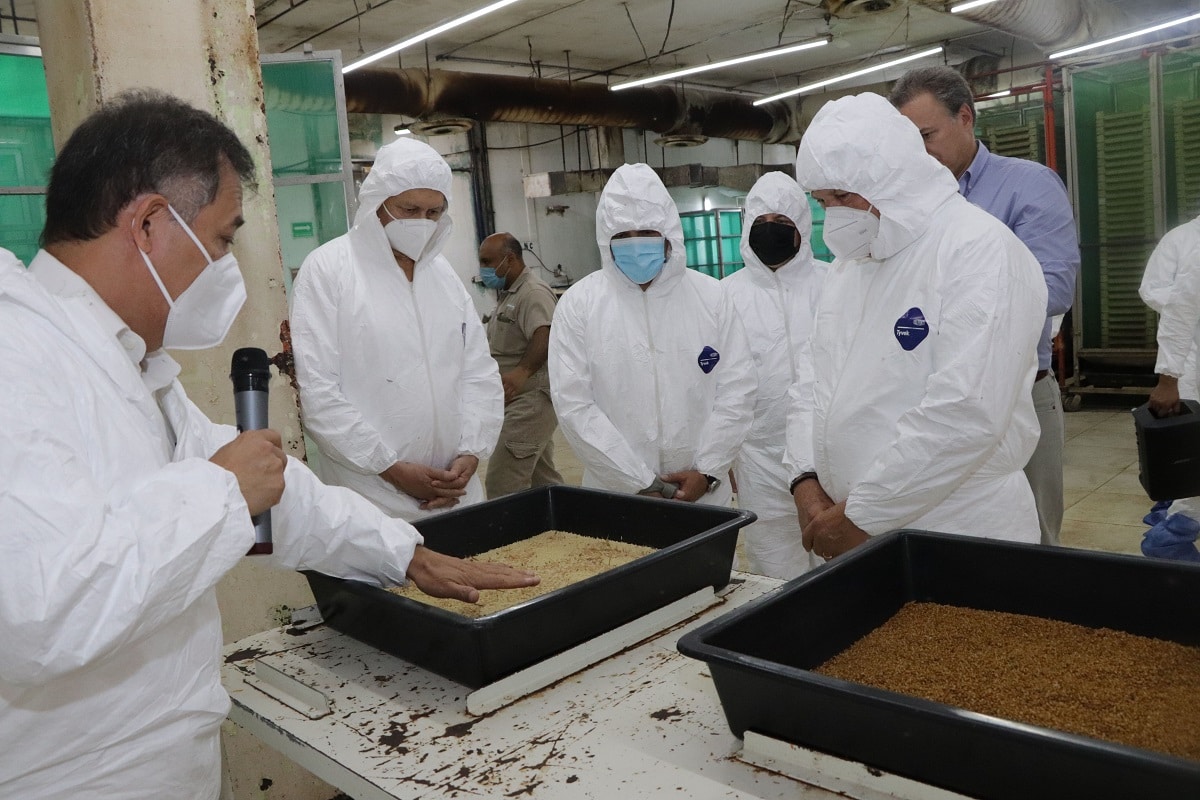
{"x": 961, "y": 7}
{"x": 1124, "y": 36}
{"x": 454, "y": 23}
{"x": 994, "y": 95}
{"x": 931, "y": 51}
{"x": 679, "y": 73}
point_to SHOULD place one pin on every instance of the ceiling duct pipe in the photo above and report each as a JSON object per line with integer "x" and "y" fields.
{"x": 1051, "y": 26}
{"x": 504, "y": 98}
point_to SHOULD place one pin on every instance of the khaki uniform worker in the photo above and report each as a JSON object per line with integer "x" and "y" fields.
{"x": 519, "y": 336}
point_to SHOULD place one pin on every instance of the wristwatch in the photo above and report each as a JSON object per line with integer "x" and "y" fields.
{"x": 800, "y": 479}
{"x": 713, "y": 484}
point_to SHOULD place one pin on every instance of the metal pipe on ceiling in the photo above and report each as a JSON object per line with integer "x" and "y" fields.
{"x": 1062, "y": 23}
{"x": 503, "y": 98}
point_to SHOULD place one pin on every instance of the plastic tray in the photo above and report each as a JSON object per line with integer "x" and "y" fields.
{"x": 695, "y": 546}
{"x": 761, "y": 655}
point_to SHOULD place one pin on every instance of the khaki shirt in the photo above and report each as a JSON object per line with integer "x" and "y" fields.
{"x": 521, "y": 309}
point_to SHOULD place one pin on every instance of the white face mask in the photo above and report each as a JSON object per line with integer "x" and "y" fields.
{"x": 204, "y": 312}
{"x": 409, "y": 236}
{"x": 848, "y": 232}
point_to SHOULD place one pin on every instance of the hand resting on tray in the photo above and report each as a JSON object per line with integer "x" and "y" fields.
{"x": 439, "y": 575}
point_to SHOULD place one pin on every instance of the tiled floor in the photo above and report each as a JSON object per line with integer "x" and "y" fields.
{"x": 1104, "y": 501}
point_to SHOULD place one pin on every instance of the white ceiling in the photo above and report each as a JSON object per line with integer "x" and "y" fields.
{"x": 609, "y": 40}
{"x": 620, "y": 39}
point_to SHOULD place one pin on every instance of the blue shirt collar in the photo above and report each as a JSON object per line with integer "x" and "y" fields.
{"x": 978, "y": 165}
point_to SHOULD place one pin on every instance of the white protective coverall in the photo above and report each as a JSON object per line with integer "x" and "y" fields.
{"x": 626, "y": 379}
{"x": 114, "y": 530}
{"x": 776, "y": 307}
{"x": 392, "y": 370}
{"x": 918, "y": 412}
{"x": 1171, "y": 286}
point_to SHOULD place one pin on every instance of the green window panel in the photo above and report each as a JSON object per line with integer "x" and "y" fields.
{"x": 310, "y": 160}
{"x": 711, "y": 241}
{"x": 26, "y": 153}
{"x": 21, "y": 220}
{"x": 820, "y": 251}
{"x": 302, "y": 118}
{"x": 309, "y": 215}
{"x": 730, "y": 223}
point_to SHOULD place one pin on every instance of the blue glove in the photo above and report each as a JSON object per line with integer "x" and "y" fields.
{"x": 1158, "y": 513}
{"x": 1174, "y": 537}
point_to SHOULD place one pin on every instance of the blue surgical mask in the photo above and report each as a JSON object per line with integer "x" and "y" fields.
{"x": 489, "y": 278}
{"x": 640, "y": 258}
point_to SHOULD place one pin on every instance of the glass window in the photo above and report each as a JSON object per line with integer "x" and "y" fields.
{"x": 309, "y": 215}
{"x": 712, "y": 241}
{"x": 302, "y": 118}
{"x": 26, "y": 153}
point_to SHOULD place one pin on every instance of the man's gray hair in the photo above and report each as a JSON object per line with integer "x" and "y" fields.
{"x": 945, "y": 83}
{"x": 142, "y": 141}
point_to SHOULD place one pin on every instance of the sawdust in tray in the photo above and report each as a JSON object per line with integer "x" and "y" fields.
{"x": 1097, "y": 682}
{"x": 559, "y": 558}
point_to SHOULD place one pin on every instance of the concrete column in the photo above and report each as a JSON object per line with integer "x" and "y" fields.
{"x": 205, "y": 52}
{"x": 607, "y": 146}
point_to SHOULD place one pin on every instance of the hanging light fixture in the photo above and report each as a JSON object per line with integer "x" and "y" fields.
{"x": 1124, "y": 36}
{"x": 429, "y": 34}
{"x": 828, "y": 81}
{"x": 961, "y": 7}
{"x": 679, "y": 73}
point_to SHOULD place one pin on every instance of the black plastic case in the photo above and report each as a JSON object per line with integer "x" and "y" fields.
{"x": 1169, "y": 452}
{"x": 695, "y": 545}
{"x": 761, "y": 654}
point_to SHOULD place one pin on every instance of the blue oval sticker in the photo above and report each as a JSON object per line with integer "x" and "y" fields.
{"x": 911, "y": 329}
{"x": 708, "y": 359}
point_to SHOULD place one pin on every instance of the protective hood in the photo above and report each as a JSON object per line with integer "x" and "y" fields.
{"x": 7, "y": 259}
{"x": 1162, "y": 269}
{"x": 776, "y": 193}
{"x": 862, "y": 144}
{"x": 402, "y": 165}
{"x": 636, "y": 199}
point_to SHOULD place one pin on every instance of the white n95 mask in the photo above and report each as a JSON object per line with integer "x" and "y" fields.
{"x": 204, "y": 312}
{"x": 848, "y": 232}
{"x": 409, "y": 236}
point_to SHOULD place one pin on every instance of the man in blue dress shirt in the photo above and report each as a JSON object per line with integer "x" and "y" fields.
{"x": 1031, "y": 200}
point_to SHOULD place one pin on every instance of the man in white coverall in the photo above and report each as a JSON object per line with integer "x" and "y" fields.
{"x": 775, "y": 295}
{"x": 1171, "y": 286}
{"x": 122, "y": 504}
{"x": 650, "y": 374}
{"x": 397, "y": 384}
{"x": 918, "y": 410}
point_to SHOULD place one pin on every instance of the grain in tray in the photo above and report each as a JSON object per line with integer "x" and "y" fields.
{"x": 559, "y": 558}
{"x": 1097, "y": 682}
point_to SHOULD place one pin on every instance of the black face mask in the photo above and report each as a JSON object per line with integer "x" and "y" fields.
{"x": 773, "y": 242}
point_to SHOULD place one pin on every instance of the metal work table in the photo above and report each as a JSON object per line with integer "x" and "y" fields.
{"x": 643, "y": 723}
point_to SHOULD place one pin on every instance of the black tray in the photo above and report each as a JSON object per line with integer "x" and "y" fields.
{"x": 695, "y": 549}
{"x": 760, "y": 656}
